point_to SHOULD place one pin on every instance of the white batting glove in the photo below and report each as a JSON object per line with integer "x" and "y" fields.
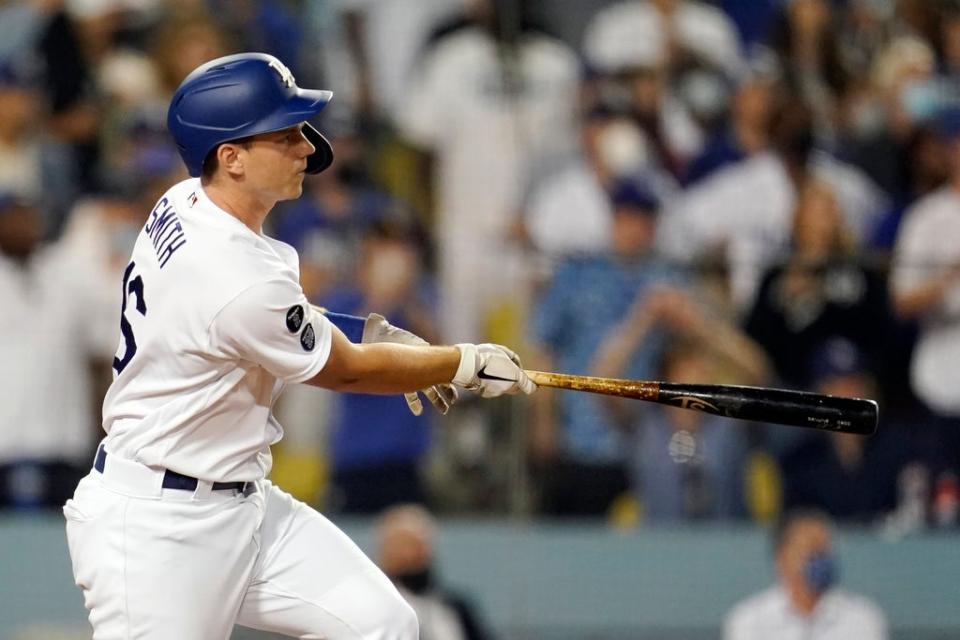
{"x": 441, "y": 396}
{"x": 491, "y": 370}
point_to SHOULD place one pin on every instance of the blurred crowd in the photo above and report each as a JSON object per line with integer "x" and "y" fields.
{"x": 761, "y": 193}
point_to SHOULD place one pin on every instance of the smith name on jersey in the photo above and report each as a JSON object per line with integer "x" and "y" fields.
{"x": 165, "y": 231}
{"x": 214, "y": 324}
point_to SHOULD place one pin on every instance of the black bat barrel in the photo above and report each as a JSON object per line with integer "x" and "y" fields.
{"x": 781, "y": 406}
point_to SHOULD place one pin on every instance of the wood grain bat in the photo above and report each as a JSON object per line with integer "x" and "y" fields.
{"x": 776, "y": 406}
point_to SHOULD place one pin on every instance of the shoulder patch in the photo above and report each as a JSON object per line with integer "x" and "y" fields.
{"x": 308, "y": 339}
{"x": 294, "y": 318}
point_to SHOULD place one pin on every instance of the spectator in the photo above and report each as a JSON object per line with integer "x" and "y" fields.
{"x": 752, "y": 232}
{"x": 746, "y": 130}
{"x": 627, "y": 50}
{"x": 182, "y": 41}
{"x": 886, "y": 115}
{"x": 21, "y": 135}
{"x": 576, "y": 448}
{"x": 807, "y": 41}
{"x": 55, "y": 328}
{"x": 406, "y": 538}
{"x": 805, "y": 604}
{"x": 823, "y": 289}
{"x": 51, "y": 50}
{"x": 377, "y": 446}
{"x": 926, "y": 289}
{"x": 492, "y": 101}
{"x": 570, "y": 212}
{"x": 33, "y": 163}
{"x": 850, "y": 477}
{"x": 685, "y": 465}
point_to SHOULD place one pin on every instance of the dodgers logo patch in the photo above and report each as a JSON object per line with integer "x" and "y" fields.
{"x": 308, "y": 339}
{"x": 294, "y": 318}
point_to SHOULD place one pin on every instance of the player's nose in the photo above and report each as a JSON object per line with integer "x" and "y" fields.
{"x": 306, "y": 146}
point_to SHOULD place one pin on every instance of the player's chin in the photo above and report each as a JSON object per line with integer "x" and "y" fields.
{"x": 295, "y": 189}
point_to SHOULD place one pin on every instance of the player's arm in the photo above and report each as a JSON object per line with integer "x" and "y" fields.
{"x": 270, "y": 324}
{"x": 375, "y": 328}
{"x": 387, "y": 368}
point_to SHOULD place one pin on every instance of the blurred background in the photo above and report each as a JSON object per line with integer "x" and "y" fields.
{"x": 761, "y": 192}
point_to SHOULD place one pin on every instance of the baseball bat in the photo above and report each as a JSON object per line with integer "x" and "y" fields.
{"x": 776, "y": 406}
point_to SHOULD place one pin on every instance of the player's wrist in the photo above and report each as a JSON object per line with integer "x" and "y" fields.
{"x": 466, "y": 375}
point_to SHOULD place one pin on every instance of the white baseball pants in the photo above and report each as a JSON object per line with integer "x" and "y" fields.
{"x": 158, "y": 563}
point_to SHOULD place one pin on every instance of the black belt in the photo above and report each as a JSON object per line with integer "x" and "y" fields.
{"x": 172, "y": 479}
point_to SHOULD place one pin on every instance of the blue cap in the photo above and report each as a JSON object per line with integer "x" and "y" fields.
{"x": 634, "y": 194}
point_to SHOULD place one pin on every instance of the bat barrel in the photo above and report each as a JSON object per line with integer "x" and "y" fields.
{"x": 781, "y": 406}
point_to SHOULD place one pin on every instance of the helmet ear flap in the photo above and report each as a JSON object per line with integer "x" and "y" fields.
{"x": 322, "y": 158}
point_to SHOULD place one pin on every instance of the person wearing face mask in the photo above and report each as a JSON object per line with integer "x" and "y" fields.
{"x": 406, "y": 555}
{"x": 577, "y": 452}
{"x": 806, "y": 604}
{"x": 376, "y": 447}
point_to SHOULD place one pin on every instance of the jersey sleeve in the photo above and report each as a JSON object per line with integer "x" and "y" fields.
{"x": 272, "y": 324}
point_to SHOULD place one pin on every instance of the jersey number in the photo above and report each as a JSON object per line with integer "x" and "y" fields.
{"x": 130, "y": 287}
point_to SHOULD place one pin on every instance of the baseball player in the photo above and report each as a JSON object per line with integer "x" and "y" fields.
{"x": 176, "y": 532}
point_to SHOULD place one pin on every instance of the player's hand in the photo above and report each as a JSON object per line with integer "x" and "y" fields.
{"x": 441, "y": 396}
{"x": 491, "y": 370}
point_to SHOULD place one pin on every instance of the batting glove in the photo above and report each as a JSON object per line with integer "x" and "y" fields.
{"x": 491, "y": 370}
{"x": 441, "y": 396}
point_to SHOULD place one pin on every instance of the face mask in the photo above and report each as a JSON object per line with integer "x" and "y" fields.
{"x": 920, "y": 100}
{"x": 416, "y": 581}
{"x": 820, "y": 572}
{"x": 622, "y": 148}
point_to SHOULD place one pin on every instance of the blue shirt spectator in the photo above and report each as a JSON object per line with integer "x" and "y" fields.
{"x": 376, "y": 443}
{"x": 373, "y": 427}
{"x": 587, "y": 297}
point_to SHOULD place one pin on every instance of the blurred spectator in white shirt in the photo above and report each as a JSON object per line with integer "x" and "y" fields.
{"x": 806, "y": 604}
{"x": 370, "y": 49}
{"x": 745, "y": 210}
{"x": 926, "y": 283}
{"x": 54, "y": 326}
{"x": 492, "y": 101}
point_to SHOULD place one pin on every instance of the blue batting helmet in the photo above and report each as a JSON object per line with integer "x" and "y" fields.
{"x": 238, "y": 96}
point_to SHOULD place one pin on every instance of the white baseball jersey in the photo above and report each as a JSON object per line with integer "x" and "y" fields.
{"x": 214, "y": 324}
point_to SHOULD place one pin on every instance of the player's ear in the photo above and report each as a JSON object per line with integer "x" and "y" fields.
{"x": 230, "y": 158}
